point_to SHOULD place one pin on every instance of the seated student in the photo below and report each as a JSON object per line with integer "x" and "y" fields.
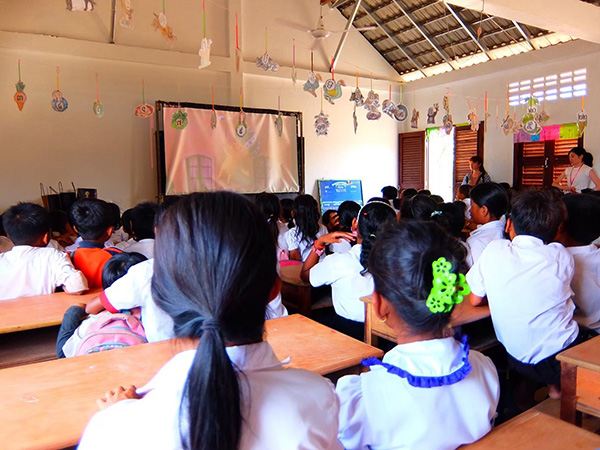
{"x": 527, "y": 284}
{"x": 270, "y": 207}
{"x": 581, "y": 229}
{"x": 463, "y": 194}
{"x": 347, "y": 212}
{"x": 29, "y": 268}
{"x": 489, "y": 203}
{"x": 346, "y": 273}
{"x": 142, "y": 229}
{"x": 118, "y": 235}
{"x": 419, "y": 207}
{"x": 5, "y": 243}
{"x": 390, "y": 194}
{"x": 93, "y": 221}
{"x": 300, "y": 238}
{"x": 72, "y": 330}
{"x": 429, "y": 392}
{"x": 331, "y": 220}
{"x": 229, "y": 391}
{"x": 287, "y": 207}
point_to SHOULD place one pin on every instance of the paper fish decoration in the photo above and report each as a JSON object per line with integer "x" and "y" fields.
{"x": 432, "y": 112}
{"x": 321, "y": 124}
{"x": 332, "y": 90}
{"x": 127, "y": 10}
{"x": 59, "y": 103}
{"x": 357, "y": 97}
{"x": 160, "y": 24}
{"x": 144, "y": 110}
{"x": 20, "y": 97}
{"x": 279, "y": 124}
{"x": 179, "y": 120}
{"x": 312, "y": 84}
{"x": 414, "y": 121}
{"x": 204, "y": 53}
{"x": 266, "y": 63}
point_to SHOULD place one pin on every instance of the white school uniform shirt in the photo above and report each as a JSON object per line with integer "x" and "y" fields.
{"x": 125, "y": 244}
{"x": 283, "y": 409}
{"x": 27, "y": 271}
{"x": 579, "y": 177}
{"x": 294, "y": 241}
{"x": 528, "y": 289}
{"x": 134, "y": 290}
{"x": 586, "y": 285}
{"x": 467, "y": 202}
{"x": 380, "y": 410}
{"x": 340, "y": 247}
{"x": 483, "y": 235}
{"x": 282, "y": 246}
{"x": 144, "y": 246}
{"x": 342, "y": 272}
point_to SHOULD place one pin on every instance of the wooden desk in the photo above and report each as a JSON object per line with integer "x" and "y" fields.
{"x": 580, "y": 381}
{"x": 295, "y": 293}
{"x": 47, "y": 405}
{"x": 534, "y": 429}
{"x": 464, "y": 313}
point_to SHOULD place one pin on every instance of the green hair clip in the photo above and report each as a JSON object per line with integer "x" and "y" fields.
{"x": 448, "y": 288}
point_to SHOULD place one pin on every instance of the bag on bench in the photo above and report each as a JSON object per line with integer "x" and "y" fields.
{"x": 112, "y": 331}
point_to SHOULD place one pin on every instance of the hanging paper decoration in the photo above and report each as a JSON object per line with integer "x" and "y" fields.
{"x": 265, "y": 61}
{"x": 20, "y": 97}
{"x": 354, "y": 119}
{"x": 241, "y": 128}
{"x": 98, "y": 108}
{"x": 127, "y": 10}
{"x": 530, "y": 124}
{"x": 179, "y": 120}
{"x": 432, "y": 112}
{"x": 333, "y": 89}
{"x": 144, "y": 110}
{"x": 321, "y": 121}
{"x": 388, "y": 106}
{"x": 59, "y": 103}
{"x": 486, "y": 115}
{"x": 507, "y": 122}
{"x": 213, "y": 113}
{"x": 80, "y": 5}
{"x": 357, "y": 96}
{"x": 279, "y": 119}
{"x": 371, "y": 104}
{"x": 447, "y": 119}
{"x": 472, "y": 116}
{"x": 160, "y": 24}
{"x": 312, "y": 84}
{"x": 414, "y": 121}
{"x": 238, "y": 51}
{"x": 582, "y": 118}
{"x": 294, "y": 74}
{"x": 205, "y": 44}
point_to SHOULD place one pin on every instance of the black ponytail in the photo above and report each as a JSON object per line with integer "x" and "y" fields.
{"x": 306, "y": 216}
{"x": 370, "y": 219}
{"x": 213, "y": 278}
{"x": 270, "y": 207}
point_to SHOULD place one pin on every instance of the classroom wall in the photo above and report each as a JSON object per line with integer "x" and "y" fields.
{"x": 494, "y": 78}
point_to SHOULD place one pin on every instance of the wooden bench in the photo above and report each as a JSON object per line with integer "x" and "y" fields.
{"x": 580, "y": 381}
{"x": 297, "y": 294}
{"x": 29, "y": 325}
{"x": 534, "y": 429}
{"x": 47, "y": 405}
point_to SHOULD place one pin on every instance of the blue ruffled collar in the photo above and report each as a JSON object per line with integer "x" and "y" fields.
{"x": 424, "y": 381}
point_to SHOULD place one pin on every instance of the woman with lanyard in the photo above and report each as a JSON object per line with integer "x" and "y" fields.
{"x": 580, "y": 173}
{"x": 477, "y": 175}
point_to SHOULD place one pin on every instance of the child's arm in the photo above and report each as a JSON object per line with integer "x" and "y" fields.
{"x": 295, "y": 255}
{"x": 71, "y": 279}
{"x": 94, "y": 306}
{"x": 116, "y": 395}
{"x": 595, "y": 179}
{"x": 476, "y": 300}
{"x": 313, "y": 257}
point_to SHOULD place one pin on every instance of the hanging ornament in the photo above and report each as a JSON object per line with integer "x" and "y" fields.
{"x": 179, "y": 120}
{"x": 127, "y": 11}
{"x": 472, "y": 116}
{"x": 530, "y": 125}
{"x": 279, "y": 119}
{"x": 80, "y": 5}
{"x": 507, "y": 122}
{"x": 400, "y": 113}
{"x": 388, "y": 106}
{"x": 486, "y": 114}
{"x": 432, "y": 112}
{"x": 59, "y": 103}
{"x": 312, "y": 84}
{"x": 582, "y": 118}
{"x": 20, "y": 97}
{"x": 447, "y": 119}
{"x": 144, "y": 110}
{"x": 321, "y": 121}
{"x": 213, "y": 113}
{"x": 331, "y": 88}
{"x": 241, "y": 127}
{"x": 205, "y": 44}
{"x": 357, "y": 96}
{"x": 160, "y": 24}
{"x": 294, "y": 74}
{"x": 354, "y": 119}
{"x": 238, "y": 51}
{"x": 371, "y": 104}
{"x": 98, "y": 108}
{"x": 265, "y": 61}
{"x": 414, "y": 121}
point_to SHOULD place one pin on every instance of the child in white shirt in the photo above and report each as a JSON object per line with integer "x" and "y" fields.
{"x": 270, "y": 207}
{"x": 489, "y": 203}
{"x": 527, "y": 284}
{"x": 30, "y": 268}
{"x": 347, "y": 212}
{"x": 142, "y": 229}
{"x": 300, "y": 238}
{"x": 429, "y": 392}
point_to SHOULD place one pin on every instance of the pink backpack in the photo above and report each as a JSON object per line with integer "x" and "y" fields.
{"x": 112, "y": 331}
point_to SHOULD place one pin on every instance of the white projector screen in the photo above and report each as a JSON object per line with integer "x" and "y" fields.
{"x": 199, "y": 157}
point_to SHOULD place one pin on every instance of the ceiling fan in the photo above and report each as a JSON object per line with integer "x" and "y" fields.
{"x": 320, "y": 32}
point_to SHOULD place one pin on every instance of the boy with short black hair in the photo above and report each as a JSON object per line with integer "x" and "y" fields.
{"x": 93, "y": 220}
{"x": 30, "y": 268}
{"x": 142, "y": 229}
{"x": 527, "y": 284}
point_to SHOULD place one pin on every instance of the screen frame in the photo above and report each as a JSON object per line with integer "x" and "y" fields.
{"x": 362, "y": 198}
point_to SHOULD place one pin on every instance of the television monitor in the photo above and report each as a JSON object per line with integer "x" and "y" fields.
{"x": 333, "y": 192}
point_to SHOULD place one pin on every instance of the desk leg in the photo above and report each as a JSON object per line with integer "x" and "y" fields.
{"x": 304, "y": 300}
{"x": 568, "y": 400}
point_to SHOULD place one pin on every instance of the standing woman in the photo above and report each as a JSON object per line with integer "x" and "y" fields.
{"x": 580, "y": 174}
{"x": 229, "y": 391}
{"x": 477, "y": 175}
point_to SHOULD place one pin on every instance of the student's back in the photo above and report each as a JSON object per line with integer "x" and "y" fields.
{"x": 142, "y": 229}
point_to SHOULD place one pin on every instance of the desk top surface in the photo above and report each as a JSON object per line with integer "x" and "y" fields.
{"x": 50, "y": 403}
{"x": 586, "y": 355}
{"x": 291, "y": 274}
{"x": 534, "y": 429}
{"x": 27, "y": 313}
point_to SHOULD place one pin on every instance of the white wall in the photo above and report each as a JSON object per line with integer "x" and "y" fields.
{"x": 494, "y": 77}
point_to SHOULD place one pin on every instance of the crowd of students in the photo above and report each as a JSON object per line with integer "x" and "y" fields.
{"x": 531, "y": 257}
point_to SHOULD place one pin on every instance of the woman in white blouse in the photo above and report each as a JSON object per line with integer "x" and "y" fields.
{"x": 580, "y": 174}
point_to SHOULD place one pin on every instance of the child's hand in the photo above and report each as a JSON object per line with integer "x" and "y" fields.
{"x": 116, "y": 395}
{"x": 335, "y": 237}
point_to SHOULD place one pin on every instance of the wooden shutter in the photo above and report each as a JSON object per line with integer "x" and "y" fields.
{"x": 467, "y": 143}
{"x": 411, "y": 160}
